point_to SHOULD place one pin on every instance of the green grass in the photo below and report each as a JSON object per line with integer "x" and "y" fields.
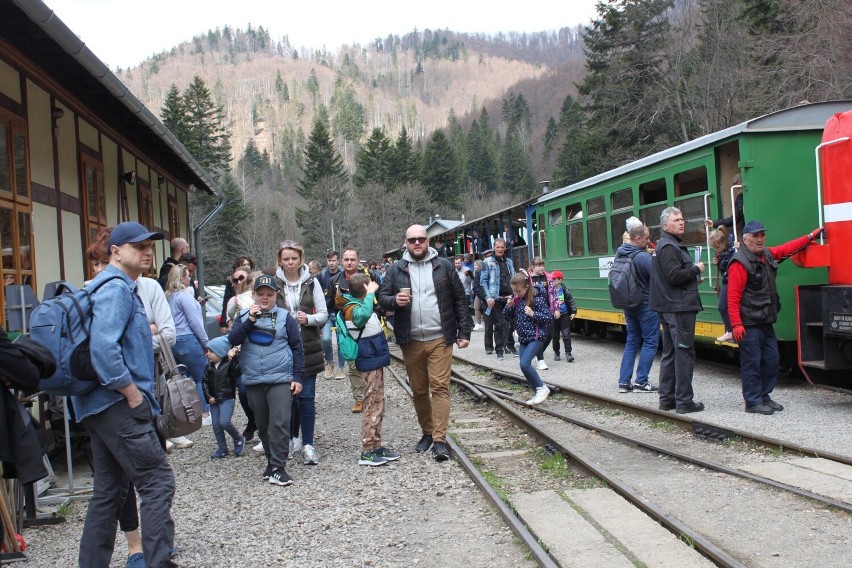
{"x": 498, "y": 484}
{"x": 589, "y": 483}
{"x": 553, "y": 464}
{"x": 687, "y": 541}
{"x": 63, "y": 510}
{"x": 663, "y": 425}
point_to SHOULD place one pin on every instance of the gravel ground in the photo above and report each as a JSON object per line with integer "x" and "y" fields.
{"x": 811, "y": 416}
{"x": 414, "y": 512}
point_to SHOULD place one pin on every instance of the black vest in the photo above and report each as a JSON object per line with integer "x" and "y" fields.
{"x": 311, "y": 335}
{"x": 760, "y": 303}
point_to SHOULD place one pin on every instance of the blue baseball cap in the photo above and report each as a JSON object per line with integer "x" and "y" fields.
{"x": 131, "y": 232}
{"x": 754, "y": 227}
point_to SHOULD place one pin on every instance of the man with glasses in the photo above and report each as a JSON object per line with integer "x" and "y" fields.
{"x": 119, "y": 412}
{"x": 643, "y": 325}
{"x": 431, "y": 315}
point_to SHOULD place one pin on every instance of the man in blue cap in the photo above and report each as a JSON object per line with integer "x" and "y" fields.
{"x": 753, "y": 306}
{"x": 119, "y": 412}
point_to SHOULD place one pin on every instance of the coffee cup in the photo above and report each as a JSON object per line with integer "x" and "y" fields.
{"x": 406, "y": 291}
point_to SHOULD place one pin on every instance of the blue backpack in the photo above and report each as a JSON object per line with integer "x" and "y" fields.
{"x": 62, "y": 324}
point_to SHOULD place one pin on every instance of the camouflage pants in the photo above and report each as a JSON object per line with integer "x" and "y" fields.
{"x": 374, "y": 409}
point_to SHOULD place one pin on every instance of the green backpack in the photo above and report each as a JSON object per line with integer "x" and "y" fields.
{"x": 346, "y": 345}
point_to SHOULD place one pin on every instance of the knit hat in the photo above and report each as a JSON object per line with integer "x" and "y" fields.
{"x": 220, "y": 346}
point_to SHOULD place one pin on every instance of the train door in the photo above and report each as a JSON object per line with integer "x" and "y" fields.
{"x": 727, "y": 166}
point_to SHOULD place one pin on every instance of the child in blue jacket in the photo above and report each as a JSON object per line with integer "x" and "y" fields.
{"x": 533, "y": 320}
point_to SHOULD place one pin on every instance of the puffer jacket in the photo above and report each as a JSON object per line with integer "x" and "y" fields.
{"x": 221, "y": 382}
{"x": 312, "y": 302}
{"x": 282, "y": 361}
{"x": 456, "y": 322}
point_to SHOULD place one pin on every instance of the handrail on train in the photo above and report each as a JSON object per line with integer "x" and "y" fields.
{"x": 734, "y": 208}
{"x": 819, "y": 181}
{"x": 707, "y": 238}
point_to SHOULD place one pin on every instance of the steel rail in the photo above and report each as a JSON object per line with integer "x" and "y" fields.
{"x": 683, "y": 421}
{"x": 515, "y": 523}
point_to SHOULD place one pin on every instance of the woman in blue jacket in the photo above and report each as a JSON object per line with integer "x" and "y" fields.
{"x": 533, "y": 320}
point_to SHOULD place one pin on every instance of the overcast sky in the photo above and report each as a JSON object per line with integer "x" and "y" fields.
{"x": 123, "y": 33}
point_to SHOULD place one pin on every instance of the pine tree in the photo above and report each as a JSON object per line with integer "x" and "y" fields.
{"x": 373, "y": 160}
{"x": 321, "y": 160}
{"x": 439, "y": 173}
{"x": 173, "y": 113}
{"x": 481, "y": 153}
{"x": 515, "y": 166}
{"x": 404, "y": 166}
{"x": 570, "y": 162}
{"x": 206, "y": 137}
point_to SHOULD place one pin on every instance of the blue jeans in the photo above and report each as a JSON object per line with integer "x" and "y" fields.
{"x": 759, "y": 362}
{"x": 188, "y": 351}
{"x": 643, "y": 328}
{"x": 221, "y": 413}
{"x": 326, "y": 342}
{"x": 308, "y": 408}
{"x": 527, "y": 353}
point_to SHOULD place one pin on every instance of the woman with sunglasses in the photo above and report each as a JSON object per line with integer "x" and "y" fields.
{"x": 242, "y": 298}
{"x": 230, "y": 291}
{"x": 302, "y": 295}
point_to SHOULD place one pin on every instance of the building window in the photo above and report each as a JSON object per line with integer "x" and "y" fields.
{"x": 174, "y": 218}
{"x": 146, "y": 206}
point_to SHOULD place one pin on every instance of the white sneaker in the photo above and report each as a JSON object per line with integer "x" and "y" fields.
{"x": 295, "y": 446}
{"x": 541, "y": 394}
{"x": 258, "y": 447}
{"x": 726, "y": 338}
{"x": 181, "y": 442}
{"x": 309, "y": 454}
{"x": 169, "y": 446}
{"x": 478, "y": 327}
{"x": 207, "y": 420}
{"x": 541, "y": 365}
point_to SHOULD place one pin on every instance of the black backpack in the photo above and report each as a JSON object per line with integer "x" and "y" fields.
{"x": 624, "y": 290}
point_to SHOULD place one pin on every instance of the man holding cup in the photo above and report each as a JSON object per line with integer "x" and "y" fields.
{"x": 431, "y": 314}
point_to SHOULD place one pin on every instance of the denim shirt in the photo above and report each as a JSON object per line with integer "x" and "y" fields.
{"x": 120, "y": 344}
{"x": 489, "y": 279}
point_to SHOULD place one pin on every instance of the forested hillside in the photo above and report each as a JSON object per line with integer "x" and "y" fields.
{"x": 436, "y": 121}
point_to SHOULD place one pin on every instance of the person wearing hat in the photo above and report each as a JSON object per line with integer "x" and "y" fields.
{"x": 753, "y": 307}
{"x": 119, "y": 413}
{"x": 563, "y": 316}
{"x": 220, "y": 388}
{"x": 272, "y": 362}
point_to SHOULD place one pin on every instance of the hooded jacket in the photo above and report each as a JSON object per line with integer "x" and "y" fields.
{"x": 307, "y": 296}
{"x": 674, "y": 278}
{"x": 439, "y": 304}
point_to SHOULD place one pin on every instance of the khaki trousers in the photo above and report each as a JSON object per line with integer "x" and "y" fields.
{"x": 428, "y": 364}
{"x": 356, "y": 382}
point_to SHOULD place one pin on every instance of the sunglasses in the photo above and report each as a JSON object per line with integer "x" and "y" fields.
{"x": 416, "y": 240}
{"x": 289, "y": 245}
{"x": 238, "y": 280}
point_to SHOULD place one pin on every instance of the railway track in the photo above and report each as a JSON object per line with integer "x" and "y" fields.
{"x": 543, "y": 425}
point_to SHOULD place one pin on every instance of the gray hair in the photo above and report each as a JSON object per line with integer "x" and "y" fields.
{"x": 667, "y": 212}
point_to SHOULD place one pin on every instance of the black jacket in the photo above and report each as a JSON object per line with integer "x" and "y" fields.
{"x": 325, "y": 279}
{"x": 456, "y": 322}
{"x": 221, "y": 382}
{"x": 674, "y": 278}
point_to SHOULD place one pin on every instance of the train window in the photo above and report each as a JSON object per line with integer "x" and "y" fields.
{"x": 597, "y": 236}
{"x": 693, "y": 213}
{"x": 650, "y": 217}
{"x": 622, "y": 199}
{"x": 595, "y": 205}
{"x": 652, "y": 191}
{"x": 618, "y": 227}
{"x": 555, "y": 217}
{"x": 574, "y": 212}
{"x": 575, "y": 239}
{"x": 691, "y": 181}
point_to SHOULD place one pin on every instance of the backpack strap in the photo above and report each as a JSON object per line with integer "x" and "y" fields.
{"x": 340, "y": 314}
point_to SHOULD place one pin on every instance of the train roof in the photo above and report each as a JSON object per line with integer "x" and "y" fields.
{"x": 803, "y": 117}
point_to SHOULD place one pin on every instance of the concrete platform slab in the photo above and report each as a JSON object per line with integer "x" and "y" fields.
{"x": 646, "y": 539}
{"x": 498, "y": 455}
{"x": 569, "y": 538}
{"x": 484, "y": 442}
{"x": 815, "y": 481}
{"x": 464, "y": 420}
{"x": 825, "y": 466}
{"x": 474, "y": 430}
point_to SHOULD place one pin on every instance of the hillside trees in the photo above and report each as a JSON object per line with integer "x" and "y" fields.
{"x": 405, "y": 162}
{"x": 439, "y": 171}
{"x": 373, "y": 160}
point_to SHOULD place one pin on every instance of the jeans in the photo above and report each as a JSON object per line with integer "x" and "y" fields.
{"x": 126, "y": 448}
{"x": 221, "y": 413}
{"x": 678, "y": 360}
{"x": 723, "y": 306}
{"x": 326, "y": 342}
{"x": 528, "y": 352}
{"x": 188, "y": 351}
{"x": 304, "y": 411}
{"x": 759, "y": 362}
{"x": 643, "y": 328}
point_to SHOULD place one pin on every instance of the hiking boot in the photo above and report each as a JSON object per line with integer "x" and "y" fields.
{"x": 239, "y": 446}
{"x": 329, "y": 371}
{"x": 689, "y": 408}
{"x": 358, "y": 407}
{"x": 625, "y": 388}
{"x": 267, "y": 472}
{"x": 280, "y": 477}
{"x": 372, "y": 459}
{"x": 389, "y": 455}
{"x": 219, "y": 454}
{"x": 569, "y": 358}
{"x": 541, "y": 394}
{"x": 340, "y": 373}
{"x": 556, "y": 357}
{"x": 309, "y": 455}
{"x": 773, "y": 405}
{"x": 760, "y": 409}
{"x": 541, "y": 365}
{"x": 667, "y": 406}
{"x": 440, "y": 451}
{"x": 647, "y": 387}
{"x": 424, "y": 444}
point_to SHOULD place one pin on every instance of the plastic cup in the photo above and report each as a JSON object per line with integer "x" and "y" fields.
{"x": 406, "y": 291}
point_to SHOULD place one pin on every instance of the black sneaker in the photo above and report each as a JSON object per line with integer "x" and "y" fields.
{"x": 424, "y": 444}
{"x": 760, "y": 409}
{"x": 389, "y": 455}
{"x": 372, "y": 459}
{"x": 440, "y": 451}
{"x": 647, "y": 387}
{"x": 773, "y": 405}
{"x": 625, "y": 388}
{"x": 248, "y": 435}
{"x": 500, "y": 357}
{"x": 280, "y": 477}
{"x": 267, "y": 472}
{"x": 556, "y": 357}
{"x": 569, "y": 358}
{"x": 667, "y": 406}
{"x": 513, "y": 351}
{"x": 489, "y": 352}
{"x": 691, "y": 407}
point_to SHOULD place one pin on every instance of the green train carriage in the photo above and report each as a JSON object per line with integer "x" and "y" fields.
{"x": 579, "y": 227}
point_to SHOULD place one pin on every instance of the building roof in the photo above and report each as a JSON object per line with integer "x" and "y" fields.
{"x": 439, "y": 226}
{"x": 35, "y": 31}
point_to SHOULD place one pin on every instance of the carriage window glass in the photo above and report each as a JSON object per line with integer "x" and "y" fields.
{"x": 622, "y": 199}
{"x": 693, "y": 213}
{"x": 595, "y": 205}
{"x": 574, "y": 212}
{"x": 555, "y": 217}
{"x": 575, "y": 239}
{"x": 691, "y": 181}
{"x": 5, "y": 170}
{"x": 598, "y": 236}
{"x": 650, "y": 217}
{"x": 618, "y": 227}
{"x": 652, "y": 191}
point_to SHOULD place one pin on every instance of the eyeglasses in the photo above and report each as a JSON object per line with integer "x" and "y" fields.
{"x": 289, "y": 245}
{"x": 416, "y": 240}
